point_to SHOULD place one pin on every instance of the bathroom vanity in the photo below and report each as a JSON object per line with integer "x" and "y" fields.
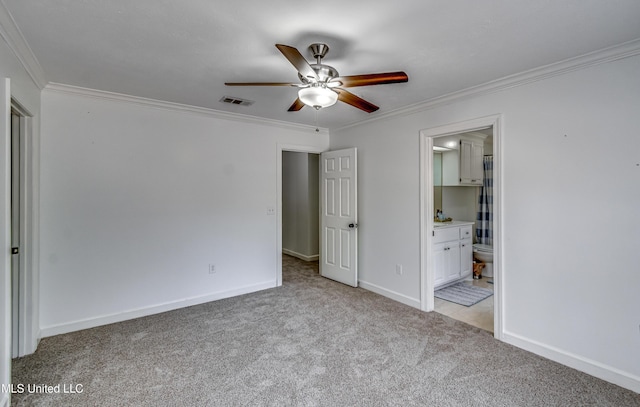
{"x": 453, "y": 252}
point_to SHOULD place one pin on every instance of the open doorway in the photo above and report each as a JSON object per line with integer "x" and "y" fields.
{"x": 337, "y": 212}
{"x": 300, "y": 205}
{"x": 300, "y": 214}
{"x": 463, "y": 193}
{"x": 282, "y": 151}
{"x": 430, "y": 240}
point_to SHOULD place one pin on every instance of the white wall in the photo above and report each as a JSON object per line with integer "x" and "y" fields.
{"x": 300, "y": 202}
{"x": 138, "y": 201}
{"x": 23, "y": 90}
{"x": 571, "y": 225}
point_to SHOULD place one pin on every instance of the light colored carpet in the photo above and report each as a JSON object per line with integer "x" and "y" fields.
{"x": 463, "y": 294}
{"x": 311, "y": 342}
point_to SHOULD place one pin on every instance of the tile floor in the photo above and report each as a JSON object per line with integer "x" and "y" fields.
{"x": 479, "y": 315}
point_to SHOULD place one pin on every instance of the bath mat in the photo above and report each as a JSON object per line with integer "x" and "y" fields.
{"x": 463, "y": 294}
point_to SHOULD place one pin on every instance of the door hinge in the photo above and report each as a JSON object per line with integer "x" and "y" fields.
{"x": 15, "y": 250}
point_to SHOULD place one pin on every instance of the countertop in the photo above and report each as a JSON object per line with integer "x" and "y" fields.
{"x": 453, "y": 223}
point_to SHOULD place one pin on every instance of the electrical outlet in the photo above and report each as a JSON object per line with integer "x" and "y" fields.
{"x": 271, "y": 210}
{"x": 399, "y": 269}
{"x": 212, "y": 268}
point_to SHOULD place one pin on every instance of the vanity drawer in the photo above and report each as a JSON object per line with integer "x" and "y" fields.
{"x": 446, "y": 234}
{"x": 465, "y": 232}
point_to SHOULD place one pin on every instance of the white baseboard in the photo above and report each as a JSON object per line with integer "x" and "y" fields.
{"x": 588, "y": 366}
{"x": 151, "y": 310}
{"x": 301, "y": 256}
{"x": 412, "y": 302}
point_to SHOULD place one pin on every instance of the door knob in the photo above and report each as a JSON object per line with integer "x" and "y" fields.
{"x": 353, "y": 225}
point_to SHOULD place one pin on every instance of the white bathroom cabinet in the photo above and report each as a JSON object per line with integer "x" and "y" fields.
{"x": 471, "y": 153}
{"x": 463, "y": 166}
{"x": 452, "y": 252}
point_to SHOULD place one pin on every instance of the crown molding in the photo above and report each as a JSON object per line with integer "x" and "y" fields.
{"x": 605, "y": 55}
{"x": 177, "y": 107}
{"x": 12, "y": 35}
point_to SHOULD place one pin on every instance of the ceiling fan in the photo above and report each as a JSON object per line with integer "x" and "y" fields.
{"x": 321, "y": 85}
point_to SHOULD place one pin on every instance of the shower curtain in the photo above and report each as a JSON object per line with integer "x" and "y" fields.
{"x": 484, "y": 224}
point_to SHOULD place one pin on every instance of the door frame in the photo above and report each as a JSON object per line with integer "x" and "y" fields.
{"x": 299, "y": 148}
{"x": 427, "y": 302}
{"x": 5, "y": 239}
{"x": 29, "y": 331}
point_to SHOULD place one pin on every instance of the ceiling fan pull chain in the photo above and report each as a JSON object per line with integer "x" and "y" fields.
{"x": 316, "y": 113}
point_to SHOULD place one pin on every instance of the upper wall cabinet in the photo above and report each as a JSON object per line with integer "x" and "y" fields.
{"x": 462, "y": 165}
{"x": 471, "y": 153}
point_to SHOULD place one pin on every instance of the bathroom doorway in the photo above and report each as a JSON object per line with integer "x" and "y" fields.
{"x": 459, "y": 203}
{"x": 465, "y": 203}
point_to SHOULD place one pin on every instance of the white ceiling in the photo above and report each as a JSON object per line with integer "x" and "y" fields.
{"x": 184, "y": 51}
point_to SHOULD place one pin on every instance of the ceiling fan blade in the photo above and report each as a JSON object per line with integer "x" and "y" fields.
{"x": 372, "y": 79}
{"x": 297, "y": 105}
{"x": 295, "y": 57}
{"x": 355, "y": 101}
{"x": 261, "y": 84}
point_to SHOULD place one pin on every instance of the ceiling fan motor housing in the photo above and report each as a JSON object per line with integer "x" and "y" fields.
{"x": 324, "y": 72}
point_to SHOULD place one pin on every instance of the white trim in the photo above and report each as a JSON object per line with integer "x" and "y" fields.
{"x": 177, "y": 107}
{"x": 4, "y": 401}
{"x": 412, "y": 302}
{"x": 610, "y": 54}
{"x": 12, "y": 35}
{"x": 426, "y": 277}
{"x": 5, "y": 232}
{"x": 591, "y": 367}
{"x": 151, "y": 310}
{"x": 313, "y": 257}
{"x": 279, "y": 149}
{"x": 426, "y": 206}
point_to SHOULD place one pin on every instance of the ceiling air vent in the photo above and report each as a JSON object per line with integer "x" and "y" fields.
{"x": 236, "y": 101}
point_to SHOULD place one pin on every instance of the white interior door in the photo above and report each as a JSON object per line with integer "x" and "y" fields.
{"x": 15, "y": 232}
{"x": 339, "y": 216}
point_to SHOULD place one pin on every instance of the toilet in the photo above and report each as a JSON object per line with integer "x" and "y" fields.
{"x": 484, "y": 254}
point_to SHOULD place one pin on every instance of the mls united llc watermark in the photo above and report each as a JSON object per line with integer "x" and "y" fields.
{"x": 60, "y": 388}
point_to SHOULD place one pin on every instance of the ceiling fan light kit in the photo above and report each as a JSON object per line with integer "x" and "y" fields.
{"x": 318, "y": 96}
{"x": 321, "y": 85}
